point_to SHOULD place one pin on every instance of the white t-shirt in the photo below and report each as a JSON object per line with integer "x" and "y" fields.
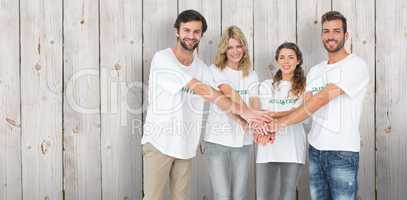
{"x": 174, "y": 113}
{"x": 335, "y": 126}
{"x": 290, "y": 143}
{"x": 220, "y": 128}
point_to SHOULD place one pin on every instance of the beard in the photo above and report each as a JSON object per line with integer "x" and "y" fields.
{"x": 340, "y": 45}
{"x": 186, "y": 47}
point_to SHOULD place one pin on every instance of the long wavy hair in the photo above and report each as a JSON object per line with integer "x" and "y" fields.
{"x": 221, "y": 58}
{"x": 298, "y": 80}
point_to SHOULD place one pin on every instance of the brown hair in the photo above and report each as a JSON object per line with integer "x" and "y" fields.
{"x": 220, "y": 59}
{"x": 334, "y": 15}
{"x": 298, "y": 80}
{"x": 190, "y": 15}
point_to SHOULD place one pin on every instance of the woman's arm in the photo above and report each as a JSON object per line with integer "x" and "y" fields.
{"x": 281, "y": 114}
{"x": 228, "y": 91}
{"x": 225, "y": 103}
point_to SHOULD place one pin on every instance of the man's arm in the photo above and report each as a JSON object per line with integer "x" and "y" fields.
{"x": 228, "y": 91}
{"x": 281, "y": 114}
{"x": 311, "y": 105}
{"x": 224, "y": 103}
{"x": 239, "y": 120}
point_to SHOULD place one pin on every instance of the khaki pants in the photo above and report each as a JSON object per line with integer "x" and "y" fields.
{"x": 158, "y": 168}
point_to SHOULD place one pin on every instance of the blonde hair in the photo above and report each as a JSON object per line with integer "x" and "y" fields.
{"x": 221, "y": 58}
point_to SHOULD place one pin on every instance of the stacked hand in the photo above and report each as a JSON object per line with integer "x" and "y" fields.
{"x": 263, "y": 124}
{"x": 257, "y": 116}
{"x": 264, "y": 139}
{"x": 262, "y": 134}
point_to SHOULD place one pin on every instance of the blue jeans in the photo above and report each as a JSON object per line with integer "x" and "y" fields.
{"x": 333, "y": 174}
{"x": 228, "y": 169}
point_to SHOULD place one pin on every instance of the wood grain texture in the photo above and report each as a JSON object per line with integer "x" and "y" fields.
{"x": 41, "y": 99}
{"x": 121, "y": 99}
{"x": 158, "y": 30}
{"x": 309, "y": 14}
{"x": 72, "y": 72}
{"x": 10, "y": 120}
{"x": 391, "y": 99}
{"x": 82, "y": 159}
{"x": 211, "y": 10}
{"x": 239, "y": 13}
{"x": 281, "y": 16}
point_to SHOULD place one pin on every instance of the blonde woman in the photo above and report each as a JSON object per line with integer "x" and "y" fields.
{"x": 228, "y": 146}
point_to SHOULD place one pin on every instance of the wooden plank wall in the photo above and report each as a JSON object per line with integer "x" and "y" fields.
{"x": 82, "y": 159}
{"x": 41, "y": 99}
{"x": 391, "y": 99}
{"x": 10, "y": 101}
{"x": 120, "y": 61}
{"x": 74, "y": 74}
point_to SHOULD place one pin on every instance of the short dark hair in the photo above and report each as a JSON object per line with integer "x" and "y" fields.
{"x": 190, "y": 15}
{"x": 334, "y": 15}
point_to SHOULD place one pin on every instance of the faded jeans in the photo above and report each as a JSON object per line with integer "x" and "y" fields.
{"x": 228, "y": 170}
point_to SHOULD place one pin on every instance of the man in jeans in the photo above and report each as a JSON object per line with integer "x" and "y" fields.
{"x": 334, "y": 95}
{"x": 176, "y": 97}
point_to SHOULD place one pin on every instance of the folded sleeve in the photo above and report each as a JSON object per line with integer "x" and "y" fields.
{"x": 208, "y": 77}
{"x": 168, "y": 75}
{"x": 218, "y": 77}
{"x": 354, "y": 78}
{"x": 310, "y": 80}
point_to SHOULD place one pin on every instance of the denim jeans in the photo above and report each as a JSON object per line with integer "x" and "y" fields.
{"x": 228, "y": 169}
{"x": 276, "y": 180}
{"x": 333, "y": 174}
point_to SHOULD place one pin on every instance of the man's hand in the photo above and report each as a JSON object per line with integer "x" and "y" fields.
{"x": 259, "y": 128}
{"x": 275, "y": 124}
{"x": 256, "y": 116}
{"x": 264, "y": 131}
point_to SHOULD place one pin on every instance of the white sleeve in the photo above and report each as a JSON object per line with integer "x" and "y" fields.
{"x": 299, "y": 101}
{"x": 309, "y": 80}
{"x": 166, "y": 75}
{"x": 208, "y": 77}
{"x": 218, "y": 77}
{"x": 354, "y": 77}
{"x": 253, "y": 88}
{"x": 266, "y": 89}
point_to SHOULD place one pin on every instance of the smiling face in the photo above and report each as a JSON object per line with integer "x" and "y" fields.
{"x": 234, "y": 52}
{"x": 287, "y": 61}
{"x": 333, "y": 36}
{"x": 189, "y": 35}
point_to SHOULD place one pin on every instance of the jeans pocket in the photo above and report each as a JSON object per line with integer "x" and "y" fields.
{"x": 208, "y": 148}
{"x": 348, "y": 157}
{"x": 214, "y": 149}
